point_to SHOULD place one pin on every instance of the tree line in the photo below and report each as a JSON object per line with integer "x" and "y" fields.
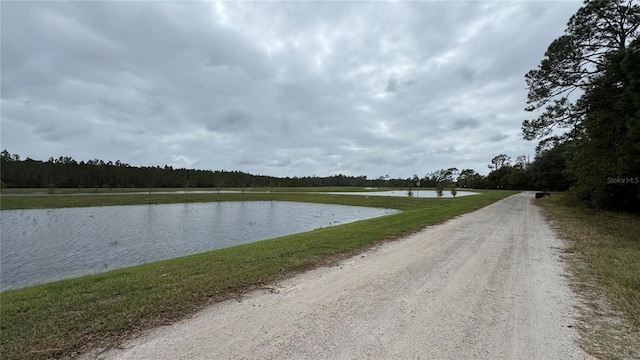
{"x": 66, "y": 172}
{"x": 586, "y": 92}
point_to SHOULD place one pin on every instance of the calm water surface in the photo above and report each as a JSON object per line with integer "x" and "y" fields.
{"x": 404, "y": 193}
{"x": 43, "y": 245}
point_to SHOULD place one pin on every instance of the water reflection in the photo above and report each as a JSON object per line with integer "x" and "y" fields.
{"x": 404, "y": 193}
{"x": 48, "y": 244}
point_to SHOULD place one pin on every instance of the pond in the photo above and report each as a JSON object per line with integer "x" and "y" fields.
{"x": 404, "y": 193}
{"x": 44, "y": 245}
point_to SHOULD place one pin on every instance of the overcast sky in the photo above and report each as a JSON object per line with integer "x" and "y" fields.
{"x": 274, "y": 88}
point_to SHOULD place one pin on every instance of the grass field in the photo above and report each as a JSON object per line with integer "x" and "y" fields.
{"x": 92, "y": 191}
{"x": 605, "y": 260}
{"x": 36, "y": 199}
{"x": 105, "y": 190}
{"x": 71, "y": 316}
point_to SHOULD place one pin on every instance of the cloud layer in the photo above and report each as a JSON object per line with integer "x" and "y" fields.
{"x": 273, "y": 88}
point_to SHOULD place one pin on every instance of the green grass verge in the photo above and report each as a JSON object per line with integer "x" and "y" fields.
{"x": 72, "y": 316}
{"x": 63, "y": 191}
{"x": 18, "y": 200}
{"x": 607, "y": 246}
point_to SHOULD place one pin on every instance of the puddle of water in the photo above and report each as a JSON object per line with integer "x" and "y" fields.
{"x": 43, "y": 245}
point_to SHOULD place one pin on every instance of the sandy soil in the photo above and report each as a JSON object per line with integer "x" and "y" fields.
{"x": 486, "y": 285}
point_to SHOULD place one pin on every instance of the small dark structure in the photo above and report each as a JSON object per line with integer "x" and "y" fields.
{"x": 542, "y": 194}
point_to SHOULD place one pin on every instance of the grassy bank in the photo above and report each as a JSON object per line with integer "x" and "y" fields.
{"x": 62, "y": 318}
{"x": 26, "y": 200}
{"x": 57, "y": 201}
{"x": 93, "y": 191}
{"x": 606, "y": 263}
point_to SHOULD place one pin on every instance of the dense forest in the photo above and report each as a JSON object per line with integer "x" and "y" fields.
{"x": 65, "y": 172}
{"x": 588, "y": 85}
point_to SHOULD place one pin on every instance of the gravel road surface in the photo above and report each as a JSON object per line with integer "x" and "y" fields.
{"x": 486, "y": 285}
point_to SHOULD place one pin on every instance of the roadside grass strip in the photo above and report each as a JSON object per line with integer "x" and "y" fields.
{"x": 604, "y": 257}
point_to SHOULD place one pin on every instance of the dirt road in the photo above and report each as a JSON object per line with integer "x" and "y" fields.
{"x": 486, "y": 285}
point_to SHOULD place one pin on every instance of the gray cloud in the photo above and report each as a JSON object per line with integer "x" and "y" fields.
{"x": 497, "y": 137}
{"x": 465, "y": 123}
{"x": 231, "y": 121}
{"x": 278, "y": 88}
{"x": 392, "y": 85}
